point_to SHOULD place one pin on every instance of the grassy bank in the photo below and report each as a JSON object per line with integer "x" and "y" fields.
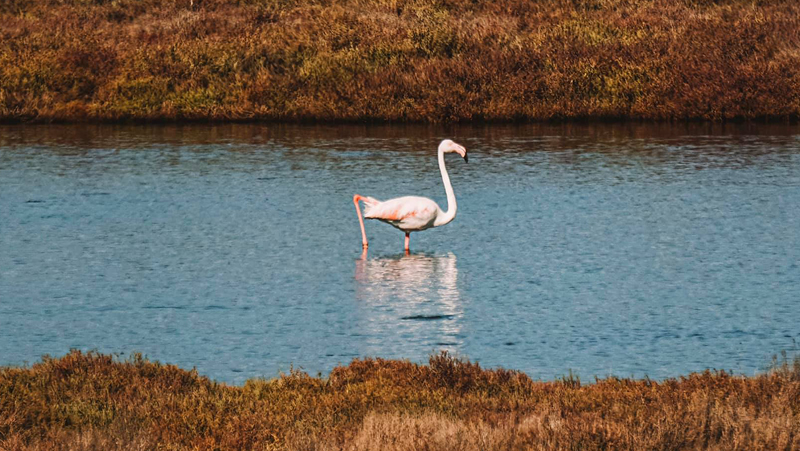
{"x": 398, "y": 60}
{"x": 92, "y": 402}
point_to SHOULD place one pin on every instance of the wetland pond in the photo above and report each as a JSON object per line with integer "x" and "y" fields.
{"x": 605, "y": 249}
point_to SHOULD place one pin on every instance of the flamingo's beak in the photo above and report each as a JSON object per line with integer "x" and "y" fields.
{"x": 463, "y": 152}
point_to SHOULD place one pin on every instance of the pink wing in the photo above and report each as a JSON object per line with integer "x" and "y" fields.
{"x": 402, "y": 208}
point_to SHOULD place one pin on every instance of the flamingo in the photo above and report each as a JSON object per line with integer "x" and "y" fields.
{"x": 412, "y": 213}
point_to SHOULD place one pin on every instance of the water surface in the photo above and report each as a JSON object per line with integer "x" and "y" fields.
{"x": 605, "y": 249}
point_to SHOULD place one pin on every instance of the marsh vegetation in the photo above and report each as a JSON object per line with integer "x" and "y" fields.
{"x": 398, "y": 60}
{"x": 87, "y": 401}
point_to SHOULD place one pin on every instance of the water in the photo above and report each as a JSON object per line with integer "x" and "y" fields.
{"x": 625, "y": 250}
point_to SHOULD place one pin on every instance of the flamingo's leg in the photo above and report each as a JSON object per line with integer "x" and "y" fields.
{"x": 364, "y": 242}
{"x": 407, "y": 238}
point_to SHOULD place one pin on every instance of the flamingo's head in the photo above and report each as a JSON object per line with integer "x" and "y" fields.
{"x": 448, "y": 146}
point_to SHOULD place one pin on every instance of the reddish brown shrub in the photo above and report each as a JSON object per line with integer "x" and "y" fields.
{"x": 94, "y": 402}
{"x": 400, "y": 60}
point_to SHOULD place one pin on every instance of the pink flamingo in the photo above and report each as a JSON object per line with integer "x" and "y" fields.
{"x": 413, "y": 213}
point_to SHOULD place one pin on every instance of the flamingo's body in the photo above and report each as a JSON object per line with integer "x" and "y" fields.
{"x": 413, "y": 213}
{"x": 409, "y": 213}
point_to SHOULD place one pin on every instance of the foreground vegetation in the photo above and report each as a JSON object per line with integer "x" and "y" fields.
{"x": 93, "y": 402}
{"x": 398, "y": 60}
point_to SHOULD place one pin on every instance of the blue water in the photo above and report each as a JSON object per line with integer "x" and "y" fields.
{"x": 625, "y": 250}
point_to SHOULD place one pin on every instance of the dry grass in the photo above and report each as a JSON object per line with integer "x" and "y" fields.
{"x": 92, "y": 402}
{"x": 398, "y": 60}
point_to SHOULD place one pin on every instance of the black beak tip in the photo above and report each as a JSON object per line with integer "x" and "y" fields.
{"x": 466, "y": 158}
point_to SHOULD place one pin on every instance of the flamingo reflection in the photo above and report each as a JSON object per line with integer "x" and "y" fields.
{"x": 417, "y": 295}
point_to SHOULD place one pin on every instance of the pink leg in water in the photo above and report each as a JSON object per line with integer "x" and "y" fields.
{"x": 364, "y": 242}
{"x": 407, "y": 236}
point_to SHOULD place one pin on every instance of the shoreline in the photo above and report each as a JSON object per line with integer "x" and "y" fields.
{"x": 767, "y": 120}
{"x": 93, "y": 401}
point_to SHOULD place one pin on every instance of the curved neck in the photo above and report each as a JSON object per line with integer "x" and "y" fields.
{"x": 452, "y": 206}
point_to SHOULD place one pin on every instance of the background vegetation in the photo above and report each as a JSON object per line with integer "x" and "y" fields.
{"x": 92, "y": 402}
{"x": 399, "y": 60}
